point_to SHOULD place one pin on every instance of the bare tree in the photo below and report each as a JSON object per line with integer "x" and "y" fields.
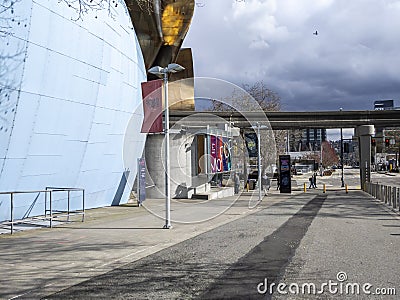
{"x": 83, "y": 7}
{"x": 11, "y": 58}
{"x": 266, "y": 98}
{"x": 7, "y": 17}
{"x": 255, "y": 97}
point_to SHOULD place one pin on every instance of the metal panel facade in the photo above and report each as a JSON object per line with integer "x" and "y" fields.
{"x": 75, "y": 86}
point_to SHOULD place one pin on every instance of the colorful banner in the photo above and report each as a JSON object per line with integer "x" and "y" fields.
{"x": 220, "y": 155}
{"x": 226, "y": 155}
{"x": 251, "y": 144}
{"x": 152, "y": 106}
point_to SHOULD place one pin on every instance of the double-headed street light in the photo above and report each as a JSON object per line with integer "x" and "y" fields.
{"x": 341, "y": 152}
{"x": 159, "y": 71}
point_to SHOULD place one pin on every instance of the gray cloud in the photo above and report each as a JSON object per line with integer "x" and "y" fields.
{"x": 350, "y": 63}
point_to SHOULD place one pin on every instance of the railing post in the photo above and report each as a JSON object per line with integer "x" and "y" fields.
{"x": 83, "y": 205}
{"x": 68, "y": 192}
{"x": 45, "y": 204}
{"x": 51, "y": 210}
{"x": 12, "y": 213}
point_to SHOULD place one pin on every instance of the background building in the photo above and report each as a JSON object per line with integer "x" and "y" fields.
{"x": 383, "y": 104}
{"x": 309, "y": 139}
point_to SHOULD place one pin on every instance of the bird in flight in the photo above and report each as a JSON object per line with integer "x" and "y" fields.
{"x": 315, "y": 33}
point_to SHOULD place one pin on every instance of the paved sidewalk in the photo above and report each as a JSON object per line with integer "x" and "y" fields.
{"x": 35, "y": 263}
{"x": 352, "y": 242}
{"x": 41, "y": 262}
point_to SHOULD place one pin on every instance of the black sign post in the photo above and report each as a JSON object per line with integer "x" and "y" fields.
{"x": 284, "y": 174}
{"x": 141, "y": 188}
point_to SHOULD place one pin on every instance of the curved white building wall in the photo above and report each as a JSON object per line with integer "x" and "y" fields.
{"x": 70, "y": 89}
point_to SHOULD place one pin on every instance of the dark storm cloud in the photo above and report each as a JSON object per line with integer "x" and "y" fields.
{"x": 350, "y": 63}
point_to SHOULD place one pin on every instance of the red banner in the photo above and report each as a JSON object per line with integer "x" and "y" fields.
{"x": 216, "y": 153}
{"x": 152, "y": 106}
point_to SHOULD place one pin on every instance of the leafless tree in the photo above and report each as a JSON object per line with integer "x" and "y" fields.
{"x": 10, "y": 59}
{"x": 83, "y": 7}
{"x": 255, "y": 97}
{"x": 7, "y": 17}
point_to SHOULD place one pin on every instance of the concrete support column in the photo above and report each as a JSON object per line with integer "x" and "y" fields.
{"x": 364, "y": 134}
{"x": 181, "y": 151}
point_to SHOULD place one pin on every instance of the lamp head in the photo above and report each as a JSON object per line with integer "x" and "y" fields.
{"x": 174, "y": 68}
{"x": 157, "y": 70}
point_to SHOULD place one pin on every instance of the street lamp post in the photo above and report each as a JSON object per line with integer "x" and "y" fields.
{"x": 259, "y": 161}
{"x": 159, "y": 71}
{"x": 341, "y": 153}
{"x": 258, "y": 126}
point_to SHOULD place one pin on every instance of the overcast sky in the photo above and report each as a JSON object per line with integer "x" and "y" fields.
{"x": 353, "y": 60}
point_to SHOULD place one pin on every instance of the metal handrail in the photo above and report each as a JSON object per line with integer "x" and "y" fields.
{"x": 68, "y": 190}
{"x": 50, "y": 191}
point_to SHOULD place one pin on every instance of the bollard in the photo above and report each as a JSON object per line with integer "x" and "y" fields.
{"x": 305, "y": 187}
{"x": 247, "y": 186}
{"x": 347, "y": 189}
{"x": 390, "y": 196}
{"x": 396, "y": 196}
{"x": 324, "y": 190}
{"x": 385, "y": 193}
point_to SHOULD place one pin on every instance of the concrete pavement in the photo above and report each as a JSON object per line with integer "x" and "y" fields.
{"x": 347, "y": 232}
{"x": 335, "y": 241}
{"x": 35, "y": 263}
{"x": 353, "y": 236}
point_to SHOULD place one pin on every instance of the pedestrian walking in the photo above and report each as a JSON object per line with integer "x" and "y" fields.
{"x": 315, "y": 180}
{"x": 237, "y": 183}
{"x": 278, "y": 183}
{"x": 265, "y": 184}
{"x": 311, "y": 180}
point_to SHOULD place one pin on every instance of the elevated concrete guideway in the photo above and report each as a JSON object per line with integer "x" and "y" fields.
{"x": 363, "y": 121}
{"x": 292, "y": 120}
